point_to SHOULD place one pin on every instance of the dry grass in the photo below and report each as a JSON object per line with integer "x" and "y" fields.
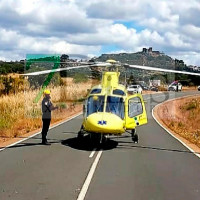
{"x": 162, "y": 88}
{"x": 182, "y": 117}
{"x": 19, "y": 115}
{"x": 189, "y": 88}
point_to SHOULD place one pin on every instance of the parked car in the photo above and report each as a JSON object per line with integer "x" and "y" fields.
{"x": 153, "y": 88}
{"x": 198, "y": 88}
{"x": 173, "y": 86}
{"x": 134, "y": 89}
{"x": 144, "y": 87}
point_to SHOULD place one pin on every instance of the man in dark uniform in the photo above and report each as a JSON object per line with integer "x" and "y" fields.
{"x": 47, "y": 107}
{"x": 177, "y": 87}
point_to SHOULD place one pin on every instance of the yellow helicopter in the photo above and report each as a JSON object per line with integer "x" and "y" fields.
{"x": 109, "y": 110}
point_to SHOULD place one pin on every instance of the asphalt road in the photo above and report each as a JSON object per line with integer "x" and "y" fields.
{"x": 157, "y": 168}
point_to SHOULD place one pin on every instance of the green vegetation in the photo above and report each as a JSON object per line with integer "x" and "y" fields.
{"x": 78, "y": 78}
{"x": 191, "y": 105}
{"x": 161, "y": 61}
{"x": 62, "y": 105}
{"x": 11, "y": 67}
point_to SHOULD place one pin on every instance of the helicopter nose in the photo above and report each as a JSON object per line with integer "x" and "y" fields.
{"x": 104, "y": 123}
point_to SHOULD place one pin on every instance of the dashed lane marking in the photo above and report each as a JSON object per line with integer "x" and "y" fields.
{"x": 86, "y": 184}
{"x": 92, "y": 153}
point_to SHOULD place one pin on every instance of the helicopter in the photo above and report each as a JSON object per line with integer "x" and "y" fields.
{"x": 108, "y": 108}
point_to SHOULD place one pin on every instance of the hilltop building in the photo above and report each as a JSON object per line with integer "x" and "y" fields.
{"x": 150, "y": 51}
{"x": 155, "y": 83}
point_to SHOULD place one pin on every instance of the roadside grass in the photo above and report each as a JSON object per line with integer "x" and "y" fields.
{"x": 19, "y": 115}
{"x": 182, "y": 117}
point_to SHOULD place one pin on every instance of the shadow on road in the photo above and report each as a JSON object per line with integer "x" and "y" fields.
{"x": 22, "y": 145}
{"x": 87, "y": 144}
{"x": 37, "y": 142}
{"x": 123, "y": 146}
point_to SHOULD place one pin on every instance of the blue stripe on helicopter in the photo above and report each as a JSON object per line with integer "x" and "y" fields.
{"x": 102, "y": 122}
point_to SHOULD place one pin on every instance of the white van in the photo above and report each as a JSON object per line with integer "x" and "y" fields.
{"x": 173, "y": 86}
{"x": 134, "y": 89}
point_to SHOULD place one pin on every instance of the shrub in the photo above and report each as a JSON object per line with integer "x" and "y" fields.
{"x": 78, "y": 78}
{"x": 191, "y": 105}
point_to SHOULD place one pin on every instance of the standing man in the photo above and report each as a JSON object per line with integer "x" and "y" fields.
{"x": 47, "y": 107}
{"x": 177, "y": 87}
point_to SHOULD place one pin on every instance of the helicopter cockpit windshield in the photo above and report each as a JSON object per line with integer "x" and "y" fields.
{"x": 115, "y": 105}
{"x": 95, "y": 104}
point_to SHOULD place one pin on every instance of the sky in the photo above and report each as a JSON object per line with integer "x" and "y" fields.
{"x": 93, "y": 27}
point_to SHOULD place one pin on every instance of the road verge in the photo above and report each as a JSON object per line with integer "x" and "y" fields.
{"x": 188, "y": 144}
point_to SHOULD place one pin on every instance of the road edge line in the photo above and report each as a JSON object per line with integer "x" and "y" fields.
{"x": 168, "y": 131}
{"x": 31, "y": 136}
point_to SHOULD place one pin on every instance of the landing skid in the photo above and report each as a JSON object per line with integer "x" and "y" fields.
{"x": 81, "y": 133}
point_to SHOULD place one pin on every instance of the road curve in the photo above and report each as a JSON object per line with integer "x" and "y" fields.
{"x": 158, "y": 168}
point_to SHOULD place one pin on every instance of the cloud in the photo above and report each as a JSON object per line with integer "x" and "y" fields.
{"x": 12, "y": 42}
{"x": 46, "y": 18}
{"x": 76, "y": 26}
{"x": 189, "y": 57}
{"x": 192, "y": 31}
{"x": 115, "y": 10}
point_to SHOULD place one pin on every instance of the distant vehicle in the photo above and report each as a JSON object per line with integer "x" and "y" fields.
{"x": 134, "y": 89}
{"x": 153, "y": 88}
{"x": 175, "y": 86}
{"x": 144, "y": 87}
{"x": 198, "y": 88}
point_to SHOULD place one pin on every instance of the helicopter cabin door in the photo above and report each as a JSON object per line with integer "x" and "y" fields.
{"x": 135, "y": 112}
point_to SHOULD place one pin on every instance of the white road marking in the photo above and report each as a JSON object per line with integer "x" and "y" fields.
{"x": 197, "y": 154}
{"x": 1, "y": 149}
{"x": 92, "y": 153}
{"x": 86, "y": 184}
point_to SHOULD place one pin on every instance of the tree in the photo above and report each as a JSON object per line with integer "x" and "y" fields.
{"x": 131, "y": 80}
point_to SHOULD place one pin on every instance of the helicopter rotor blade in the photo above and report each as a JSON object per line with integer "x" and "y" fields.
{"x": 106, "y": 64}
{"x": 61, "y": 62}
{"x": 65, "y": 68}
{"x": 163, "y": 70}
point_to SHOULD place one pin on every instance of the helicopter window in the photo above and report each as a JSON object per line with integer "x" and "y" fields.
{"x": 95, "y": 104}
{"x": 135, "y": 107}
{"x": 96, "y": 91}
{"x": 118, "y": 92}
{"x": 115, "y": 105}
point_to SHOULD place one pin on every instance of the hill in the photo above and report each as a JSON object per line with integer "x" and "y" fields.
{"x": 140, "y": 58}
{"x": 148, "y": 57}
